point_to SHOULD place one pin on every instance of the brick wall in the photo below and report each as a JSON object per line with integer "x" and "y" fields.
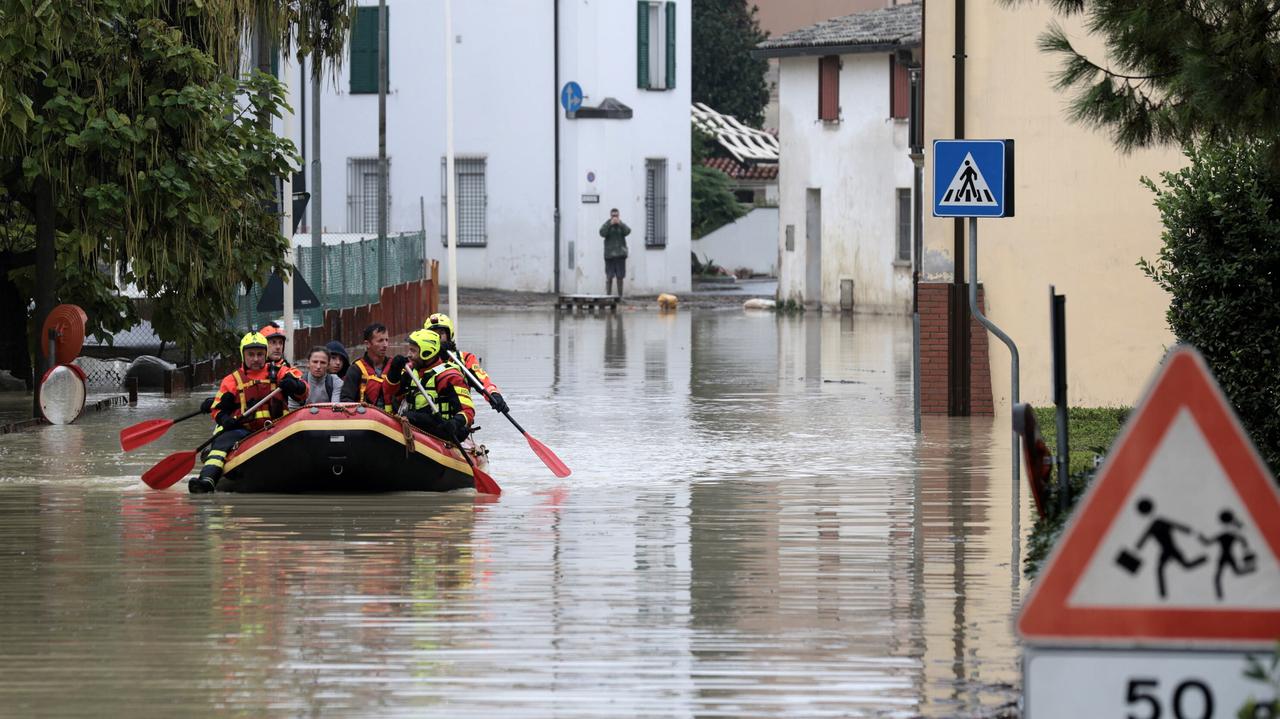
{"x": 935, "y": 330}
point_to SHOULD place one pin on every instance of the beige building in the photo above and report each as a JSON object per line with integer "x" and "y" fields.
{"x": 1083, "y": 218}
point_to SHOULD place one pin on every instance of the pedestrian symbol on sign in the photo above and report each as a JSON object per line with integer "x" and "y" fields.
{"x": 968, "y": 188}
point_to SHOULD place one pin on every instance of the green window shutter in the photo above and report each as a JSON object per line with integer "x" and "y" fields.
{"x": 642, "y": 44}
{"x": 671, "y": 45}
{"x": 275, "y": 60}
{"x": 364, "y": 50}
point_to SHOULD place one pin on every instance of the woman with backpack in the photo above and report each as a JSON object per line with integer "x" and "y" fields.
{"x": 321, "y": 386}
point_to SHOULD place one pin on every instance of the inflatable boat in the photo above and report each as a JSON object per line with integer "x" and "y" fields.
{"x": 347, "y": 447}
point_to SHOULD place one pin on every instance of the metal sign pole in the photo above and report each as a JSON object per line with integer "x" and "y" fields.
{"x": 451, "y": 198}
{"x": 1013, "y": 354}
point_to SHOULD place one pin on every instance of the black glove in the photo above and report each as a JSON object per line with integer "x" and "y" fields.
{"x": 456, "y": 428}
{"x": 424, "y": 420}
{"x": 397, "y": 366}
{"x": 207, "y": 405}
{"x": 292, "y": 386}
{"x": 498, "y": 403}
{"x": 227, "y": 421}
{"x": 449, "y": 346}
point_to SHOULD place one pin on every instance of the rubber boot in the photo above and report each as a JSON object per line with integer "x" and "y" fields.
{"x": 201, "y": 484}
{"x": 619, "y": 288}
{"x": 209, "y": 473}
{"x": 608, "y": 285}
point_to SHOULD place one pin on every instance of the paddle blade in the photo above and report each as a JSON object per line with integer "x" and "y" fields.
{"x": 143, "y": 432}
{"x": 485, "y": 483}
{"x": 170, "y": 470}
{"x": 549, "y": 458}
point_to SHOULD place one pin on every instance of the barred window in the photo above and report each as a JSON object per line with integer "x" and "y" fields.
{"x": 904, "y": 224}
{"x": 655, "y": 203}
{"x": 362, "y": 193}
{"x": 473, "y": 202}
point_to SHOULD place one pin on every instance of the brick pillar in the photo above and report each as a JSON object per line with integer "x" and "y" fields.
{"x": 935, "y": 309}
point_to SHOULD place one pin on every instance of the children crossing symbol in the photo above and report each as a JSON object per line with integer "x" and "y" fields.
{"x": 968, "y": 188}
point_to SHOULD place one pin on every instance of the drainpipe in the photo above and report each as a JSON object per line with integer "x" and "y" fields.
{"x": 958, "y": 356}
{"x": 555, "y": 104}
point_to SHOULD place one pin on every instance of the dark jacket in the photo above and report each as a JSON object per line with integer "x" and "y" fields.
{"x": 336, "y": 347}
{"x": 615, "y": 239}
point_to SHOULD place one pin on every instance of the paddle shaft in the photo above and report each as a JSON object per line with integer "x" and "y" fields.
{"x": 475, "y": 382}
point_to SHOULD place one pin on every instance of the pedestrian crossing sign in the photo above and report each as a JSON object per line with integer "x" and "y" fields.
{"x": 973, "y": 178}
{"x": 1177, "y": 540}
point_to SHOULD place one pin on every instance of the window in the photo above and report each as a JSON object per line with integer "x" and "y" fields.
{"x": 364, "y": 50}
{"x": 362, "y": 193}
{"x": 904, "y": 224}
{"x": 655, "y": 45}
{"x": 829, "y": 88}
{"x": 473, "y": 203}
{"x": 655, "y": 203}
{"x": 899, "y": 89}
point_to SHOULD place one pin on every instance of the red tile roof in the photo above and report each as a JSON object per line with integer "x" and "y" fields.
{"x": 738, "y": 171}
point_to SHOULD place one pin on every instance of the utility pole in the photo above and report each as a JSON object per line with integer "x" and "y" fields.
{"x": 317, "y": 241}
{"x": 382, "y": 143}
{"x": 451, "y": 200}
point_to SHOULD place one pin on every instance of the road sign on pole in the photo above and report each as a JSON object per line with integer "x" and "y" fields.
{"x": 973, "y": 178}
{"x": 1167, "y": 573}
{"x": 571, "y": 96}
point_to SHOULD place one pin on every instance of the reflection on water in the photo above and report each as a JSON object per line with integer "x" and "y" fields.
{"x": 751, "y": 529}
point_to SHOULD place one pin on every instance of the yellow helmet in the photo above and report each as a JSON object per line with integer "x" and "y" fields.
{"x": 440, "y": 321}
{"x": 428, "y": 343}
{"x": 252, "y": 339}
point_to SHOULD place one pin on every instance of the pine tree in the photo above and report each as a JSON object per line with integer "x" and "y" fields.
{"x": 1174, "y": 71}
{"x": 726, "y": 77}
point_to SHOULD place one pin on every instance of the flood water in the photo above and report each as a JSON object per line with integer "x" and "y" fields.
{"x": 752, "y": 529}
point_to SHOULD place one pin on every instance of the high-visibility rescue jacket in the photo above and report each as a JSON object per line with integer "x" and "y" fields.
{"x": 376, "y": 388}
{"x": 244, "y": 388}
{"x": 447, "y": 387}
{"x": 471, "y": 362}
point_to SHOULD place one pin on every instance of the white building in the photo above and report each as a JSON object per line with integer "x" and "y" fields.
{"x": 508, "y": 75}
{"x": 845, "y": 178}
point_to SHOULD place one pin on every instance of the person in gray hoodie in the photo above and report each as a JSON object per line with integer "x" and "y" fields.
{"x": 322, "y": 386}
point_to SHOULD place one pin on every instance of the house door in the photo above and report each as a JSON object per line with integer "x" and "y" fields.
{"x": 813, "y": 246}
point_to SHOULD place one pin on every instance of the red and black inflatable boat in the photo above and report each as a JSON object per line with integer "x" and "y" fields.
{"x": 346, "y": 447}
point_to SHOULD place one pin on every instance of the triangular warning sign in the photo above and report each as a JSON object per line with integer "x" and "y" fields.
{"x": 968, "y": 188}
{"x": 1177, "y": 539}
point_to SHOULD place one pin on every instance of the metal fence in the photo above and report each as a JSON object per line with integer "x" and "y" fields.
{"x": 351, "y": 275}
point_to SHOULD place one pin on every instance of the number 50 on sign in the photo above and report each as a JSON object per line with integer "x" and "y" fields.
{"x": 1139, "y": 684}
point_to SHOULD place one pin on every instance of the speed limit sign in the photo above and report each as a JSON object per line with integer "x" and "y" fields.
{"x": 1162, "y": 684}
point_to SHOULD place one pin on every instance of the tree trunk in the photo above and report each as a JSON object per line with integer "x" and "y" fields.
{"x": 15, "y": 347}
{"x": 46, "y": 251}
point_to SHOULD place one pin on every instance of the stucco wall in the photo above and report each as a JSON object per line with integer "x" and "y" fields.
{"x": 858, "y": 163}
{"x": 751, "y": 241}
{"x": 1083, "y": 220}
{"x": 504, "y": 109}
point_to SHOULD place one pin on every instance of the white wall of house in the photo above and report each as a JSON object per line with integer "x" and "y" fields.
{"x": 858, "y": 164}
{"x": 602, "y": 59}
{"x": 505, "y": 104}
{"x": 751, "y": 241}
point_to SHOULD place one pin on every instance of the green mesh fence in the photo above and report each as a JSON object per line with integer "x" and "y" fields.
{"x": 350, "y": 274}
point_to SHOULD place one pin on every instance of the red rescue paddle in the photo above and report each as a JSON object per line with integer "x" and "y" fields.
{"x": 176, "y": 466}
{"x": 549, "y": 458}
{"x": 135, "y": 436}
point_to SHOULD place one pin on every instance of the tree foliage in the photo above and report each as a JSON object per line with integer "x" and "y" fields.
{"x": 712, "y": 203}
{"x": 133, "y": 117}
{"x": 726, "y": 77}
{"x": 1174, "y": 71}
{"x": 1221, "y": 264}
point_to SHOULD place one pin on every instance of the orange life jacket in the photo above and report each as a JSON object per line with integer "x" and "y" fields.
{"x": 250, "y": 387}
{"x": 375, "y": 388}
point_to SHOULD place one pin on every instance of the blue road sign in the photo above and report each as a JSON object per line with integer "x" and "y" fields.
{"x": 973, "y": 178}
{"x": 571, "y": 96}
